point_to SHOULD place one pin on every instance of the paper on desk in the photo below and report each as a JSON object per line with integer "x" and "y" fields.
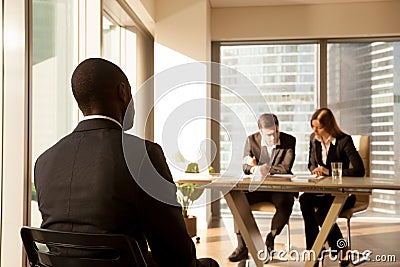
{"x": 307, "y": 178}
{"x": 281, "y": 177}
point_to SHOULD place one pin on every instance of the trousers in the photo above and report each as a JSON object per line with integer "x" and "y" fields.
{"x": 283, "y": 203}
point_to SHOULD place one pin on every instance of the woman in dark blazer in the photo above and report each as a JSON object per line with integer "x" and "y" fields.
{"x": 328, "y": 143}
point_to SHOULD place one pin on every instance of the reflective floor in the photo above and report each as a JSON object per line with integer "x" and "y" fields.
{"x": 380, "y": 236}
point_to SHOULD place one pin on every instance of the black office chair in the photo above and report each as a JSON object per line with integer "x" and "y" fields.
{"x": 48, "y": 248}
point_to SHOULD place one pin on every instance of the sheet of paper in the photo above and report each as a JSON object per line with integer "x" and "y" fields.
{"x": 280, "y": 177}
{"x": 307, "y": 178}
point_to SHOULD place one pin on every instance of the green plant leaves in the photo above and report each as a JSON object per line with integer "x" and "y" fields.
{"x": 187, "y": 194}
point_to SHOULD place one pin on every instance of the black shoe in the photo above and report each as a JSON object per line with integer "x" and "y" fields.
{"x": 344, "y": 263}
{"x": 343, "y": 253}
{"x": 269, "y": 242}
{"x": 240, "y": 253}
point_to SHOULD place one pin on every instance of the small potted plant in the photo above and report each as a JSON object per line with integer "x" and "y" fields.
{"x": 187, "y": 194}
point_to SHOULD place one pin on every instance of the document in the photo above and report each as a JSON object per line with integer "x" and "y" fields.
{"x": 307, "y": 178}
{"x": 280, "y": 177}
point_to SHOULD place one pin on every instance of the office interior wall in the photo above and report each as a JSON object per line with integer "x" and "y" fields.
{"x": 144, "y": 11}
{"x": 145, "y": 99}
{"x": 150, "y": 6}
{"x": 182, "y": 35}
{"x": 361, "y": 19}
{"x": 181, "y": 25}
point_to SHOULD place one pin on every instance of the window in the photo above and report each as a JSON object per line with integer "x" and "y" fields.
{"x": 54, "y": 113}
{"x": 362, "y": 90}
{"x": 119, "y": 47}
{"x": 290, "y": 93}
{"x": 111, "y": 40}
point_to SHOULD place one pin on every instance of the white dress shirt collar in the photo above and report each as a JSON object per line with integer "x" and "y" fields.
{"x": 269, "y": 148}
{"x": 325, "y": 146}
{"x": 91, "y": 117}
{"x": 264, "y": 143}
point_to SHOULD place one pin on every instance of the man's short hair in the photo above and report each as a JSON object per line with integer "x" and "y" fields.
{"x": 267, "y": 120}
{"x": 93, "y": 80}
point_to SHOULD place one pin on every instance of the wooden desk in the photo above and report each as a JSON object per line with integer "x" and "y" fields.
{"x": 234, "y": 188}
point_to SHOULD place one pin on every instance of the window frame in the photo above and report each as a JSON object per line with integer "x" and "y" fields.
{"x": 322, "y": 71}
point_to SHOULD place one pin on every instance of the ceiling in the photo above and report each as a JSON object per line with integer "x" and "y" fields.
{"x": 246, "y": 3}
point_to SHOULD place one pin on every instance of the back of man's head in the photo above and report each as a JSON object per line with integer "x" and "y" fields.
{"x": 94, "y": 83}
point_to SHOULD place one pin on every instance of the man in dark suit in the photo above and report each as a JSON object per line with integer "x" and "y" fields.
{"x": 100, "y": 180}
{"x": 268, "y": 151}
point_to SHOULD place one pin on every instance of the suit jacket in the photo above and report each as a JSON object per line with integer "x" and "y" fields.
{"x": 84, "y": 184}
{"x": 343, "y": 151}
{"x": 283, "y": 158}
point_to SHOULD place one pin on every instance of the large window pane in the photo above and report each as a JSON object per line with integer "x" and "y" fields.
{"x": 363, "y": 89}
{"x": 286, "y": 77}
{"x": 119, "y": 47}
{"x": 111, "y": 40}
{"x": 54, "y": 113}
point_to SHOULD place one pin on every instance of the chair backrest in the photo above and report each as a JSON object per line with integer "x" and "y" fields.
{"x": 48, "y": 248}
{"x": 362, "y": 144}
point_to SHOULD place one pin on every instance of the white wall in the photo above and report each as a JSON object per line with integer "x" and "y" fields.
{"x": 15, "y": 134}
{"x": 360, "y": 19}
{"x": 182, "y": 35}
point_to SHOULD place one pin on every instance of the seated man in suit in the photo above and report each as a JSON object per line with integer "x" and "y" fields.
{"x": 100, "y": 180}
{"x": 268, "y": 152}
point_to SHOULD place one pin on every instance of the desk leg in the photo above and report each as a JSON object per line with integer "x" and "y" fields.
{"x": 243, "y": 216}
{"x": 329, "y": 221}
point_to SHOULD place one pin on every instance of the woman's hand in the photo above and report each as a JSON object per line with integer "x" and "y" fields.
{"x": 320, "y": 171}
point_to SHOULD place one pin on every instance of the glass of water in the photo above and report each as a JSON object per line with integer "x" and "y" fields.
{"x": 336, "y": 171}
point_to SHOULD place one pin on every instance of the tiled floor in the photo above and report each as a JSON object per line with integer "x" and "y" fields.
{"x": 380, "y": 236}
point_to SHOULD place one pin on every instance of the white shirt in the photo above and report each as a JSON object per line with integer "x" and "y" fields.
{"x": 325, "y": 146}
{"x": 248, "y": 160}
{"x": 269, "y": 148}
{"x": 91, "y": 117}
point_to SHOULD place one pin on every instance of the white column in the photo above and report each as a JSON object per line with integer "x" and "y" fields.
{"x": 15, "y": 130}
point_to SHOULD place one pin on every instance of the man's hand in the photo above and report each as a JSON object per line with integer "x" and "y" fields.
{"x": 250, "y": 161}
{"x": 264, "y": 169}
{"x": 253, "y": 162}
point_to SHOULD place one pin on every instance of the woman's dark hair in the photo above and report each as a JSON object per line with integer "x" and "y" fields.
{"x": 327, "y": 121}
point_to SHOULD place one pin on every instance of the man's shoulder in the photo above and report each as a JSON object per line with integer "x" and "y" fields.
{"x": 255, "y": 136}
{"x": 57, "y": 146}
{"x": 133, "y": 141}
{"x": 287, "y": 136}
